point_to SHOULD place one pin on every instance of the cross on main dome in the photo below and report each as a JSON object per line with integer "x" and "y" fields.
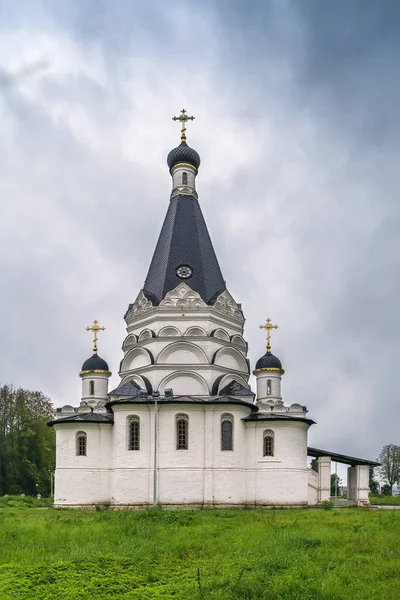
{"x": 183, "y": 118}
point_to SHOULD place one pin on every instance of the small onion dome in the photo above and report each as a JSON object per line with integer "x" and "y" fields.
{"x": 94, "y": 363}
{"x": 183, "y": 154}
{"x": 268, "y": 362}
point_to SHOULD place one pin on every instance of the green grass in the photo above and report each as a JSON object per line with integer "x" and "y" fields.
{"x": 392, "y": 500}
{"x": 199, "y": 555}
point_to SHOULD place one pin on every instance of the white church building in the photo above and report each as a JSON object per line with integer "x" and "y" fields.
{"x": 183, "y": 428}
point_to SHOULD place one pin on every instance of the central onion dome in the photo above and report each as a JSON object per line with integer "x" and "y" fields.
{"x": 183, "y": 154}
{"x": 95, "y": 363}
{"x": 269, "y": 361}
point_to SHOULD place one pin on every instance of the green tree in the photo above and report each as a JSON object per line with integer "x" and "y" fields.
{"x": 27, "y": 445}
{"x": 335, "y": 479}
{"x": 373, "y": 484}
{"x": 389, "y": 470}
{"x": 386, "y": 490}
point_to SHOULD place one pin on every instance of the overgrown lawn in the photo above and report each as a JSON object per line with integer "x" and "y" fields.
{"x": 199, "y": 555}
{"x": 392, "y": 500}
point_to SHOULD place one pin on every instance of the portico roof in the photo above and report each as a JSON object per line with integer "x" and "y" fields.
{"x": 341, "y": 458}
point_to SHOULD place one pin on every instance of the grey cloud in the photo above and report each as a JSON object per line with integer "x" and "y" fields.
{"x": 296, "y": 123}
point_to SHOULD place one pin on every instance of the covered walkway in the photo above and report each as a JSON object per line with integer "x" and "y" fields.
{"x": 357, "y": 476}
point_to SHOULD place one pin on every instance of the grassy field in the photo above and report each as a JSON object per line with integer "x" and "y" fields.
{"x": 198, "y": 555}
{"x": 392, "y": 500}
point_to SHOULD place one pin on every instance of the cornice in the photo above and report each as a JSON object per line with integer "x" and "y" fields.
{"x": 99, "y": 371}
{"x": 268, "y": 369}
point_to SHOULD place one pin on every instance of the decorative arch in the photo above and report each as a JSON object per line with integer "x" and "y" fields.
{"x": 195, "y": 332}
{"x": 223, "y": 380}
{"x": 230, "y": 358}
{"x": 296, "y": 408}
{"x": 220, "y": 334}
{"x": 238, "y": 341}
{"x": 141, "y": 380}
{"x": 130, "y": 340}
{"x": 136, "y": 358}
{"x": 169, "y": 331}
{"x": 146, "y": 334}
{"x": 185, "y": 383}
{"x": 182, "y": 353}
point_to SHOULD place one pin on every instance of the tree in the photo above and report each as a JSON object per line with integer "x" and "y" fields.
{"x": 27, "y": 445}
{"x": 389, "y": 470}
{"x": 385, "y": 490}
{"x": 336, "y": 483}
{"x": 373, "y": 484}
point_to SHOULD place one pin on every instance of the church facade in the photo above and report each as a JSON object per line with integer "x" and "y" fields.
{"x": 183, "y": 428}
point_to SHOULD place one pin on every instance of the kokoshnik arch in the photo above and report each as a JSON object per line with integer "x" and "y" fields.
{"x": 183, "y": 427}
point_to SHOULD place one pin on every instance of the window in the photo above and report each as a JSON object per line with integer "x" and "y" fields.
{"x": 226, "y": 432}
{"x": 134, "y": 433}
{"x": 81, "y": 443}
{"x": 184, "y": 178}
{"x": 268, "y": 387}
{"x": 182, "y": 425}
{"x": 268, "y": 443}
{"x": 91, "y": 388}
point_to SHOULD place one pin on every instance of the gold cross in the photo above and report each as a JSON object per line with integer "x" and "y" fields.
{"x": 95, "y": 328}
{"x": 268, "y": 328}
{"x": 183, "y": 117}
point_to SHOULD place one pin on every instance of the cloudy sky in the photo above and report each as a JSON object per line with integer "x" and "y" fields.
{"x": 297, "y": 124}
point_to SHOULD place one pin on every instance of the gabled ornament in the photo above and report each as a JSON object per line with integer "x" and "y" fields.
{"x": 183, "y": 297}
{"x": 227, "y": 305}
{"x": 141, "y": 304}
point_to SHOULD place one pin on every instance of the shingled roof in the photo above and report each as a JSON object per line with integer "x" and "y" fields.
{"x": 184, "y": 241}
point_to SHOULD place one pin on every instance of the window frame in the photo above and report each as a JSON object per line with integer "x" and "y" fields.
{"x": 269, "y": 387}
{"x": 91, "y": 387}
{"x": 226, "y": 418}
{"x": 133, "y": 420}
{"x": 268, "y": 439}
{"x": 184, "y": 178}
{"x": 181, "y": 418}
{"x": 81, "y": 449}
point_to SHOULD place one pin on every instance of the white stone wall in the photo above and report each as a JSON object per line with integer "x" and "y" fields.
{"x": 202, "y": 475}
{"x": 184, "y": 344}
{"x": 262, "y": 378}
{"x": 100, "y": 388}
{"x": 177, "y": 179}
{"x": 81, "y": 480}
{"x": 283, "y": 478}
{"x": 313, "y": 492}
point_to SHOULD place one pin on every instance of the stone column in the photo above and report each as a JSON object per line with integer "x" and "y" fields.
{"x": 324, "y": 478}
{"x": 358, "y": 484}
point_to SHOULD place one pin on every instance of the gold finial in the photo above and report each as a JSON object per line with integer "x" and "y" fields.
{"x": 95, "y": 328}
{"x": 268, "y": 328}
{"x": 183, "y": 117}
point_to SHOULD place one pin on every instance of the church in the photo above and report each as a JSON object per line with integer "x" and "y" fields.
{"x": 184, "y": 428}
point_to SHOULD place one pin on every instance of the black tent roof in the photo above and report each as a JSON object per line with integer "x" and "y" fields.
{"x": 184, "y": 242}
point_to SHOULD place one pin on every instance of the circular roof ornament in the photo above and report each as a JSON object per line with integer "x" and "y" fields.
{"x": 184, "y": 271}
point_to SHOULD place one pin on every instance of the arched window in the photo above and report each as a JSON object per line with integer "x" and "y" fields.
{"x": 91, "y": 388}
{"x": 182, "y": 432}
{"x": 184, "y": 178}
{"x": 268, "y": 387}
{"x": 268, "y": 442}
{"x": 226, "y": 432}
{"x": 134, "y": 433}
{"x": 81, "y": 443}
